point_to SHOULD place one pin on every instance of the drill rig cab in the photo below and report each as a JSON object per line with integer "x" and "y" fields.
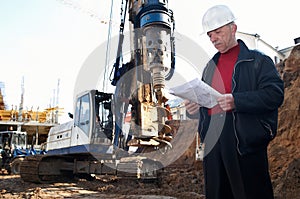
{"x": 87, "y": 146}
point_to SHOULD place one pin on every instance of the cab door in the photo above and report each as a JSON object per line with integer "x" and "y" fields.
{"x": 82, "y": 121}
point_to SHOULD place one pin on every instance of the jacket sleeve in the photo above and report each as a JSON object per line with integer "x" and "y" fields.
{"x": 266, "y": 92}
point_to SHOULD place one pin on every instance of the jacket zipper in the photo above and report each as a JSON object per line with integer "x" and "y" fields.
{"x": 233, "y": 115}
{"x": 202, "y": 121}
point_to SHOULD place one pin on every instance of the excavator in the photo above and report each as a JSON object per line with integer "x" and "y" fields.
{"x": 98, "y": 140}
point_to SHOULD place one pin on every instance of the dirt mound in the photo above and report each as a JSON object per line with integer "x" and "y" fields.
{"x": 284, "y": 151}
{"x": 292, "y": 63}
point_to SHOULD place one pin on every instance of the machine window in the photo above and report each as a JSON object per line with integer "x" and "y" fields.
{"x": 83, "y": 113}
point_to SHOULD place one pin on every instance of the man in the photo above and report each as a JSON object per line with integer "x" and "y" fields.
{"x": 236, "y": 132}
{"x": 5, "y": 154}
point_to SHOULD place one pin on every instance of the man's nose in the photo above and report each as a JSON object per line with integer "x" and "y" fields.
{"x": 213, "y": 38}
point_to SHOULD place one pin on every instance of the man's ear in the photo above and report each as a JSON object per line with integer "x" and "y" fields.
{"x": 234, "y": 27}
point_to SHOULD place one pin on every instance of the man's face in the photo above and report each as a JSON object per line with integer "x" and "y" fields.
{"x": 223, "y": 38}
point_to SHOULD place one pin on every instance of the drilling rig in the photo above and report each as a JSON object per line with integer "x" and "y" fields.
{"x": 141, "y": 82}
{"x": 96, "y": 142}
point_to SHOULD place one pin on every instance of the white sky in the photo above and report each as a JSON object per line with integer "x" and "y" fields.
{"x": 47, "y": 40}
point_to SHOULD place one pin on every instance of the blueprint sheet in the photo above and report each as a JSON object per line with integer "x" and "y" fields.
{"x": 197, "y": 91}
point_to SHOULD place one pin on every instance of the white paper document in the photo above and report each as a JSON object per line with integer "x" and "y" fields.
{"x": 197, "y": 91}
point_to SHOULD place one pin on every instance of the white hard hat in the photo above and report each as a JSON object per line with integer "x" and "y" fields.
{"x": 216, "y": 17}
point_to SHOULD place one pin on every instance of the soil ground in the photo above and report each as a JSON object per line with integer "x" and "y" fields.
{"x": 175, "y": 183}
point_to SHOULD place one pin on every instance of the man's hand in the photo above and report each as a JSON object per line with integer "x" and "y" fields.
{"x": 191, "y": 107}
{"x": 226, "y": 102}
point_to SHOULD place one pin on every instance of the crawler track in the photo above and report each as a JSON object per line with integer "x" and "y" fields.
{"x": 29, "y": 169}
{"x": 44, "y": 169}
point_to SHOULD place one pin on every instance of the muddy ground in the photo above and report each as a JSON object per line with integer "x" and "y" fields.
{"x": 175, "y": 183}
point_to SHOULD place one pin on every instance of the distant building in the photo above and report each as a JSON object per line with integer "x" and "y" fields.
{"x": 287, "y": 51}
{"x": 179, "y": 112}
{"x": 2, "y": 96}
{"x": 254, "y": 41}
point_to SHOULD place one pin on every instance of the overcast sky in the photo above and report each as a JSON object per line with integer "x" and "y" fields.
{"x": 47, "y": 40}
